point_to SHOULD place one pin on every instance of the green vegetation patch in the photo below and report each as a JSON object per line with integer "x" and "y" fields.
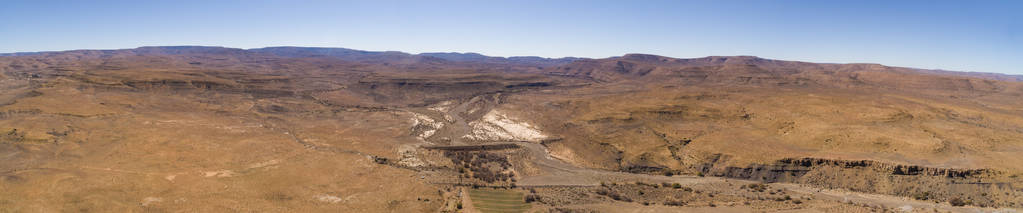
{"x": 495, "y": 200}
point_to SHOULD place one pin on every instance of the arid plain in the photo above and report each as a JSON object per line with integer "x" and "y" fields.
{"x": 296, "y": 129}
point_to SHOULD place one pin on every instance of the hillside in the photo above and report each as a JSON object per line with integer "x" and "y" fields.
{"x": 288, "y": 129}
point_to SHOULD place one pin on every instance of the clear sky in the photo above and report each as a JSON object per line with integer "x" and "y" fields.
{"x": 953, "y": 35}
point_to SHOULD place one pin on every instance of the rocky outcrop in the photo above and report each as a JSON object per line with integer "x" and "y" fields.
{"x": 791, "y": 169}
{"x": 982, "y": 186}
{"x": 891, "y": 168}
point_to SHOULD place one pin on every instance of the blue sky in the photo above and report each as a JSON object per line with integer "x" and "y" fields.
{"x": 953, "y": 35}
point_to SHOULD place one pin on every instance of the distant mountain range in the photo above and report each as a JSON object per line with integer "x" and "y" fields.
{"x": 397, "y": 57}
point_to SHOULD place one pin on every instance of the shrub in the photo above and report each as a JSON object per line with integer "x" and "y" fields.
{"x": 380, "y": 160}
{"x": 957, "y": 202}
{"x": 759, "y": 187}
{"x": 619, "y": 197}
{"x": 532, "y": 198}
{"x": 675, "y": 203}
{"x": 922, "y": 196}
{"x": 676, "y": 185}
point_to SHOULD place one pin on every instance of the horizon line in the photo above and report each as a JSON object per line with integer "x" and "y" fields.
{"x": 22, "y": 53}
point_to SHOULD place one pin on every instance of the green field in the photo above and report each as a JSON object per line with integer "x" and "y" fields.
{"x": 494, "y": 200}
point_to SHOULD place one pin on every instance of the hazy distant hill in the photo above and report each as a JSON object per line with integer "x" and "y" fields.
{"x": 401, "y": 57}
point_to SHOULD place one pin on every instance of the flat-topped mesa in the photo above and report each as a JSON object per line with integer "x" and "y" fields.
{"x": 892, "y": 168}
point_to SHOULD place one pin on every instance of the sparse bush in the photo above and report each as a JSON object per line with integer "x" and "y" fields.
{"x": 646, "y": 184}
{"x": 613, "y": 195}
{"x": 532, "y": 198}
{"x": 759, "y": 187}
{"x": 380, "y": 160}
{"x": 958, "y": 202}
{"x": 475, "y": 163}
{"x": 676, "y": 185}
{"x": 619, "y": 197}
{"x": 674, "y": 203}
{"x": 922, "y": 196}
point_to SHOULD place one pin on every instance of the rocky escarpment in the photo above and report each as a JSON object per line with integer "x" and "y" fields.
{"x": 981, "y": 187}
{"x": 894, "y": 169}
{"x": 420, "y": 90}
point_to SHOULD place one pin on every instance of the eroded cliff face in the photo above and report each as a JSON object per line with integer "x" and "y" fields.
{"x": 892, "y": 168}
{"x": 982, "y": 187}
